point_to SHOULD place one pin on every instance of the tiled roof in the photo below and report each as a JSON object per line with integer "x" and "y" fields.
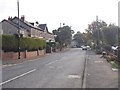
{"x": 12, "y": 23}
{"x": 28, "y": 24}
{"x": 44, "y": 27}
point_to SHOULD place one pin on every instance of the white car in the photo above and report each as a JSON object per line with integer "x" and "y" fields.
{"x": 86, "y": 48}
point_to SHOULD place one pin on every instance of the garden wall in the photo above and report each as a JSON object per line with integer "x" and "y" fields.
{"x": 25, "y": 54}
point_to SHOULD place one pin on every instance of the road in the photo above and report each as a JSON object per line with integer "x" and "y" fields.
{"x": 56, "y": 70}
{"x": 75, "y": 68}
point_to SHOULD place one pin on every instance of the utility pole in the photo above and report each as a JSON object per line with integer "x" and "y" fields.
{"x": 98, "y": 33}
{"x": 18, "y": 31}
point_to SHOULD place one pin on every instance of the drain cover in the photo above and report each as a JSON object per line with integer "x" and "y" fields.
{"x": 74, "y": 76}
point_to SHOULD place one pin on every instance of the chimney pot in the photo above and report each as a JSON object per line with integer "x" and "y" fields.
{"x": 23, "y": 18}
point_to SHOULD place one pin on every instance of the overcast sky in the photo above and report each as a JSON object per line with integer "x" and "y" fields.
{"x": 75, "y": 13}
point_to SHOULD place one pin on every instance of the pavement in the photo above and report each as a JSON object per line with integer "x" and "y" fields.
{"x": 99, "y": 73}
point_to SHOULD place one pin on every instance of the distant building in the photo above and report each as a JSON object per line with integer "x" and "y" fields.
{"x": 74, "y": 44}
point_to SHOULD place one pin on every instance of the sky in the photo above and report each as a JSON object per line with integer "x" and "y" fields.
{"x": 75, "y": 13}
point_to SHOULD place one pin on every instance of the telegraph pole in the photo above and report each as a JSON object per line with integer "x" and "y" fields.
{"x": 98, "y": 34}
{"x": 18, "y": 30}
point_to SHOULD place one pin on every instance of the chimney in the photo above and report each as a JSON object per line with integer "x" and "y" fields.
{"x": 23, "y": 18}
{"x": 9, "y": 18}
{"x": 32, "y": 24}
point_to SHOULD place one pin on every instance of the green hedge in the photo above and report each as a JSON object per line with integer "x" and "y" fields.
{"x": 10, "y": 43}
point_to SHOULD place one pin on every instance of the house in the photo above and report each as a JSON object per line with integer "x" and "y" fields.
{"x": 26, "y": 28}
{"x": 74, "y": 44}
{"x": 48, "y": 36}
{"x": 1, "y": 30}
{"x": 8, "y": 27}
{"x": 32, "y": 31}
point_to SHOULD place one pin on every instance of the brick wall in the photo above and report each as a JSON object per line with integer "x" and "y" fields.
{"x": 9, "y": 55}
{"x": 31, "y": 54}
{"x": 26, "y": 54}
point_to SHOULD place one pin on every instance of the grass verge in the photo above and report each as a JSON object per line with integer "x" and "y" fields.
{"x": 114, "y": 64}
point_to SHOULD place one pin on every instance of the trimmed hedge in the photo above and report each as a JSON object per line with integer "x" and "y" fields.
{"x": 10, "y": 43}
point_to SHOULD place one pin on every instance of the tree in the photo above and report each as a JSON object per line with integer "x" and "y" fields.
{"x": 78, "y": 37}
{"x": 64, "y": 35}
{"x": 107, "y": 33}
{"x": 94, "y": 32}
{"x": 110, "y": 34}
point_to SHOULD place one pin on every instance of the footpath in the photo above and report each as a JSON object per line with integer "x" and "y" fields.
{"x": 99, "y": 73}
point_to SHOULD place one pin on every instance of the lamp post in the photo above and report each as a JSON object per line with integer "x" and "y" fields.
{"x": 18, "y": 31}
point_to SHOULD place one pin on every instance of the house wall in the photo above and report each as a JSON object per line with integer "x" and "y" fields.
{"x": 8, "y": 28}
{"x": 11, "y": 29}
{"x": 1, "y": 30}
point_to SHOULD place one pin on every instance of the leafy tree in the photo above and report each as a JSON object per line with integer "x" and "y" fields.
{"x": 110, "y": 35}
{"x": 64, "y": 35}
{"x": 94, "y": 32}
{"x": 78, "y": 37}
{"x": 107, "y": 33}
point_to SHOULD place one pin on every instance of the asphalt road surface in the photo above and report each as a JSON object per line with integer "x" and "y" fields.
{"x": 74, "y": 68}
{"x": 56, "y": 70}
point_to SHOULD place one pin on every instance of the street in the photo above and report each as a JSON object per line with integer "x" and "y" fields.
{"x": 74, "y": 68}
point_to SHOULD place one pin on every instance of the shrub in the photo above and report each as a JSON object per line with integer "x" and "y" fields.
{"x": 10, "y": 43}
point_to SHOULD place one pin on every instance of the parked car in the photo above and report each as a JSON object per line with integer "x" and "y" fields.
{"x": 86, "y": 48}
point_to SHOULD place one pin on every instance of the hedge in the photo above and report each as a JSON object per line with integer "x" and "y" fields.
{"x": 10, "y": 43}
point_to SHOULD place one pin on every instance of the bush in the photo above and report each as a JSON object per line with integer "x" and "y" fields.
{"x": 10, "y": 43}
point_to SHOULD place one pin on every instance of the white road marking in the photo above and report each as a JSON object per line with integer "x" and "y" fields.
{"x": 17, "y": 77}
{"x": 74, "y": 76}
{"x": 51, "y": 62}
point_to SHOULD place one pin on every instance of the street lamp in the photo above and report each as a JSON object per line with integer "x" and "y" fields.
{"x": 62, "y": 24}
{"x": 18, "y": 31}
